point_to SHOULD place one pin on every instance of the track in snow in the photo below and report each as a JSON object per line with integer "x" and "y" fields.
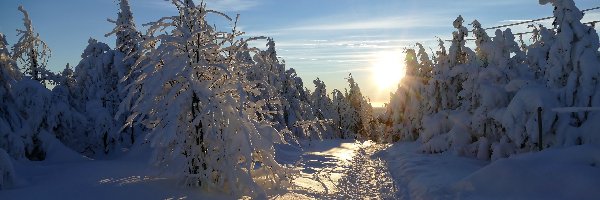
{"x": 367, "y": 177}
{"x": 344, "y": 171}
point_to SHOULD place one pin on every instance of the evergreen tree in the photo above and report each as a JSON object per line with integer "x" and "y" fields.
{"x": 128, "y": 38}
{"x": 97, "y": 97}
{"x": 194, "y": 97}
{"x": 11, "y": 122}
{"x": 573, "y": 59}
{"x": 323, "y": 107}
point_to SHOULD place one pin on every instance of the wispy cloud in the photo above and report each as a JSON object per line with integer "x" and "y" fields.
{"x": 370, "y": 24}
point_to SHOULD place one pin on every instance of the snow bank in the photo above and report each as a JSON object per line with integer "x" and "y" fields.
{"x": 570, "y": 173}
{"x": 425, "y": 176}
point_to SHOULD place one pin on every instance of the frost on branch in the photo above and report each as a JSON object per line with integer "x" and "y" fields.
{"x": 31, "y": 51}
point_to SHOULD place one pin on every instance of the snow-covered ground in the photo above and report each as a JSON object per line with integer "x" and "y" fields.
{"x": 568, "y": 173}
{"x": 76, "y": 177}
{"x": 332, "y": 169}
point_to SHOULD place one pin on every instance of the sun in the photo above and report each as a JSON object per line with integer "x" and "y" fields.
{"x": 387, "y": 69}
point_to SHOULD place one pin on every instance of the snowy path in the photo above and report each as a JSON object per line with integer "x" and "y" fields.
{"x": 368, "y": 177}
{"x": 341, "y": 170}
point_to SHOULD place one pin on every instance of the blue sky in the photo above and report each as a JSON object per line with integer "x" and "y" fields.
{"x": 320, "y": 38}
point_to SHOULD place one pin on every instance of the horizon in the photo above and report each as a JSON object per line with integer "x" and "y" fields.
{"x": 327, "y": 41}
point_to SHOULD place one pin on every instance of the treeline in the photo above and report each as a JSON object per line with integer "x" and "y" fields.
{"x": 483, "y": 102}
{"x": 210, "y": 106}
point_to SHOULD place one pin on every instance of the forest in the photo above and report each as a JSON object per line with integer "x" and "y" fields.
{"x": 213, "y": 111}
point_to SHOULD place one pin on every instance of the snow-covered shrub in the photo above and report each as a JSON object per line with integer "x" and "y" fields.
{"x": 520, "y": 117}
{"x": 33, "y": 102}
{"x": 296, "y": 106}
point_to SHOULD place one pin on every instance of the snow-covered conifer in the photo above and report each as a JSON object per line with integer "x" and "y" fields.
{"x": 32, "y": 99}
{"x": 193, "y": 96}
{"x": 573, "y": 60}
{"x": 97, "y": 96}
{"x": 128, "y": 38}
{"x": 67, "y": 123}
{"x": 343, "y": 119}
{"x": 323, "y": 107}
{"x": 11, "y": 122}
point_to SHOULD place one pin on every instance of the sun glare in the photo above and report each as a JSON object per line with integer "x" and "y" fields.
{"x": 388, "y": 69}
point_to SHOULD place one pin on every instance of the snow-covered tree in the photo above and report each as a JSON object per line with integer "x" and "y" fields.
{"x": 344, "y": 118}
{"x": 359, "y": 115}
{"x": 128, "y": 38}
{"x": 297, "y": 111}
{"x": 11, "y": 122}
{"x": 537, "y": 53}
{"x": 268, "y": 71}
{"x": 323, "y": 108}
{"x": 455, "y": 74}
{"x": 434, "y": 86}
{"x": 194, "y": 97}
{"x": 404, "y": 112}
{"x": 128, "y": 41}
{"x": 33, "y": 102}
{"x": 97, "y": 96}
{"x": 31, "y": 51}
{"x": 573, "y": 60}
{"x": 67, "y": 123}
{"x": 287, "y": 99}
{"x": 458, "y": 55}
